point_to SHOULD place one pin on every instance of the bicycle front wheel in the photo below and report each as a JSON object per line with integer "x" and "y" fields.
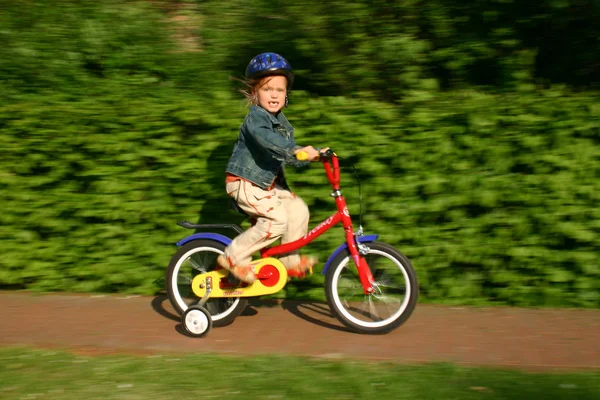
{"x": 394, "y": 299}
{"x": 193, "y": 258}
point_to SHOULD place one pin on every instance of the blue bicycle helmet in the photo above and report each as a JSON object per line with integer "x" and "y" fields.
{"x": 266, "y": 64}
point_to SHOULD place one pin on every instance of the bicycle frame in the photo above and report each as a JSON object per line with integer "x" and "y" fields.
{"x": 332, "y": 170}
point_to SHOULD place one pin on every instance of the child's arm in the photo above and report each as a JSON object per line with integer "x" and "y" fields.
{"x": 260, "y": 131}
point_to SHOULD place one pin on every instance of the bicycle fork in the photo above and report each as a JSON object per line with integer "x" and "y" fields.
{"x": 357, "y": 251}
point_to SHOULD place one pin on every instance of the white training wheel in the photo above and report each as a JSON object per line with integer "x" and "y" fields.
{"x": 197, "y": 321}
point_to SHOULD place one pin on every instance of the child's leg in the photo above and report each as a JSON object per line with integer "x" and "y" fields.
{"x": 297, "y": 224}
{"x": 271, "y": 220}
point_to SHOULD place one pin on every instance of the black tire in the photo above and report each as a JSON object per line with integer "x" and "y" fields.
{"x": 193, "y": 258}
{"x": 389, "y": 307}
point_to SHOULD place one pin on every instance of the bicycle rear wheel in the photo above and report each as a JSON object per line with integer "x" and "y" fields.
{"x": 193, "y": 258}
{"x": 394, "y": 299}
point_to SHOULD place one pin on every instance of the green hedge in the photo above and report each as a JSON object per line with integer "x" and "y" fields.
{"x": 494, "y": 201}
{"x": 110, "y": 134}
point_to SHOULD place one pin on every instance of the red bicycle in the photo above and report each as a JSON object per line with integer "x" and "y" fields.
{"x": 370, "y": 286}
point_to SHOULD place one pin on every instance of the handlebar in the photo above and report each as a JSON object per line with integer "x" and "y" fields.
{"x": 327, "y": 154}
{"x": 328, "y": 157}
{"x": 331, "y": 163}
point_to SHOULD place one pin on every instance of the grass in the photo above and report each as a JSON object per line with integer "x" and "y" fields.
{"x": 44, "y": 374}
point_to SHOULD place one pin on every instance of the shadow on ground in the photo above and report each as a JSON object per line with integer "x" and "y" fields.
{"x": 157, "y": 306}
{"x": 313, "y": 312}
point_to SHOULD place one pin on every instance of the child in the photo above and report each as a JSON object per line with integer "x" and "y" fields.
{"x": 254, "y": 174}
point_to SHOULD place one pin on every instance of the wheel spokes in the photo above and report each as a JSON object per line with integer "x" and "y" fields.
{"x": 387, "y": 302}
{"x": 184, "y": 280}
{"x": 373, "y": 310}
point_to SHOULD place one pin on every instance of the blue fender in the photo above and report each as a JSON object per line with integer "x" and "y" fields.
{"x": 344, "y": 246}
{"x": 205, "y": 235}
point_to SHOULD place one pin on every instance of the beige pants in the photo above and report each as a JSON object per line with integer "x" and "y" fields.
{"x": 279, "y": 214}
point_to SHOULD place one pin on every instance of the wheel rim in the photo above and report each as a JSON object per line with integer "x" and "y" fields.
{"x": 196, "y": 322}
{"x": 392, "y": 291}
{"x": 197, "y": 261}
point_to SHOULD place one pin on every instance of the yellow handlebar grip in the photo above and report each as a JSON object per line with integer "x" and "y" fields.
{"x": 302, "y": 155}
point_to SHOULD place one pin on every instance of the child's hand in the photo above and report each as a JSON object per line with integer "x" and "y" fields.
{"x": 311, "y": 153}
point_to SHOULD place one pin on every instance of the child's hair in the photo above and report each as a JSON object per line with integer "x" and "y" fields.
{"x": 249, "y": 90}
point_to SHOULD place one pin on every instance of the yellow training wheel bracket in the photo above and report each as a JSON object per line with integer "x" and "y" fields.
{"x": 271, "y": 277}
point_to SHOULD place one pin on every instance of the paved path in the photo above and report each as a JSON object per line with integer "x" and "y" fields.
{"x": 546, "y": 339}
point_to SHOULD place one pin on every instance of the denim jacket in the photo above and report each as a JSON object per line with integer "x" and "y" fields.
{"x": 265, "y": 143}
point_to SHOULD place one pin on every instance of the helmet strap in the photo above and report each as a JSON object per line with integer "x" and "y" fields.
{"x": 287, "y": 100}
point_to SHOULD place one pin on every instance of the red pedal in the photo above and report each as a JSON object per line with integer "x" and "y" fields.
{"x": 268, "y": 275}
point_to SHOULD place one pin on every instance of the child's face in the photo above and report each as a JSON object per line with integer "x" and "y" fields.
{"x": 271, "y": 93}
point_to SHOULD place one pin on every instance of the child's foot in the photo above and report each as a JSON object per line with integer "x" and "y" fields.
{"x": 243, "y": 273}
{"x": 305, "y": 265}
